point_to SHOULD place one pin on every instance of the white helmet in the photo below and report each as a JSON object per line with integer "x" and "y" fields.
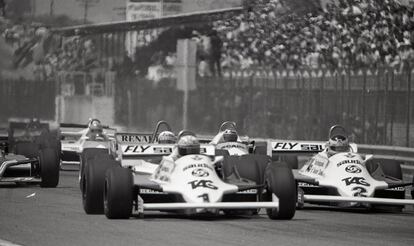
{"x": 167, "y": 137}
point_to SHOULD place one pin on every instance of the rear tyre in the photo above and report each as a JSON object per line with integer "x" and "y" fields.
{"x": 391, "y": 169}
{"x": 86, "y": 157}
{"x": 290, "y": 160}
{"x": 49, "y": 168}
{"x": 280, "y": 181}
{"x": 260, "y": 148}
{"x": 251, "y": 167}
{"x": 412, "y": 190}
{"x": 118, "y": 193}
{"x": 93, "y": 183}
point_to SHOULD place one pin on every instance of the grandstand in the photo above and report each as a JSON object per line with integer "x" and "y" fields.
{"x": 280, "y": 68}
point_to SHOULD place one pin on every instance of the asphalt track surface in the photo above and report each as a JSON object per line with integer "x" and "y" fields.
{"x": 30, "y": 215}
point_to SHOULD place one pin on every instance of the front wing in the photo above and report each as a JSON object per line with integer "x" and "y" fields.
{"x": 371, "y": 200}
{"x": 274, "y": 204}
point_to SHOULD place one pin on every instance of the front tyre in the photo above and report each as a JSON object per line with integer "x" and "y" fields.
{"x": 118, "y": 193}
{"x": 280, "y": 182}
{"x": 93, "y": 182}
{"x": 49, "y": 168}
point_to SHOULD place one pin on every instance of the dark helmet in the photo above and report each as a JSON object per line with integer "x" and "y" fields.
{"x": 95, "y": 127}
{"x": 337, "y": 144}
{"x": 188, "y": 145}
{"x": 230, "y": 135}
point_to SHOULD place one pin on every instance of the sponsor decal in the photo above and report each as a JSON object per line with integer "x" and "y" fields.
{"x": 302, "y": 184}
{"x": 147, "y": 149}
{"x": 202, "y": 184}
{"x": 311, "y": 147}
{"x": 198, "y": 165}
{"x": 135, "y": 138}
{"x": 200, "y": 172}
{"x": 285, "y": 146}
{"x": 397, "y": 188}
{"x": 231, "y": 145}
{"x": 149, "y": 191}
{"x": 355, "y": 180}
{"x": 360, "y": 191}
{"x": 297, "y": 146}
{"x": 251, "y": 191}
{"x": 353, "y": 169}
{"x": 349, "y": 162}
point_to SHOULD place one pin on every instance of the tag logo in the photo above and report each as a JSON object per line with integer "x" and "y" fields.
{"x": 355, "y": 180}
{"x": 203, "y": 184}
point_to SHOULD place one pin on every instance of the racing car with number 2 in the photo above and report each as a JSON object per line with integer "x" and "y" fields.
{"x": 338, "y": 175}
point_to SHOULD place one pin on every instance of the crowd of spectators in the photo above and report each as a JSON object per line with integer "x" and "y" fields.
{"x": 351, "y": 33}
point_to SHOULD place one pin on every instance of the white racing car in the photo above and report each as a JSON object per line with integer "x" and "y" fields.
{"x": 80, "y": 141}
{"x": 344, "y": 177}
{"x": 188, "y": 179}
{"x": 227, "y": 139}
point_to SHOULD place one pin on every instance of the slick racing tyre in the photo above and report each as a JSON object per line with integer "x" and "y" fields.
{"x": 86, "y": 157}
{"x": 251, "y": 167}
{"x": 412, "y": 190}
{"x": 118, "y": 193}
{"x": 260, "y": 148}
{"x": 49, "y": 168}
{"x": 93, "y": 182}
{"x": 279, "y": 180}
{"x": 27, "y": 149}
{"x": 290, "y": 160}
{"x": 391, "y": 169}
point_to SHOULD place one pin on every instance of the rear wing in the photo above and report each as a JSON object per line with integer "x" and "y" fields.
{"x": 300, "y": 147}
{"x": 77, "y": 130}
{"x": 124, "y": 138}
{"x": 132, "y": 151}
{"x": 296, "y": 147}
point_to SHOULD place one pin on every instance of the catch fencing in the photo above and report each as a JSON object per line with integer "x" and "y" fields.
{"x": 374, "y": 105}
{"x": 21, "y": 98}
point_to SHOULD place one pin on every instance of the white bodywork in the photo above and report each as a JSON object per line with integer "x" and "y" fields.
{"x": 78, "y": 140}
{"x": 193, "y": 177}
{"x": 346, "y": 172}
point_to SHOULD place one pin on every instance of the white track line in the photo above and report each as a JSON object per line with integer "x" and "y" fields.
{"x": 7, "y": 243}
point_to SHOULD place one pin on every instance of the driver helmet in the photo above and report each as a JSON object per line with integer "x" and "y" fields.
{"x": 338, "y": 144}
{"x": 188, "y": 145}
{"x": 230, "y": 135}
{"x": 95, "y": 127}
{"x": 167, "y": 137}
{"x": 34, "y": 124}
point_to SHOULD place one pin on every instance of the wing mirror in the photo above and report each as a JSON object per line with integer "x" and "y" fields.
{"x": 218, "y": 159}
{"x": 368, "y": 157}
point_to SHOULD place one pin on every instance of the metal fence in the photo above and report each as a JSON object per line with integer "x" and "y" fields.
{"x": 20, "y": 98}
{"x": 375, "y": 105}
